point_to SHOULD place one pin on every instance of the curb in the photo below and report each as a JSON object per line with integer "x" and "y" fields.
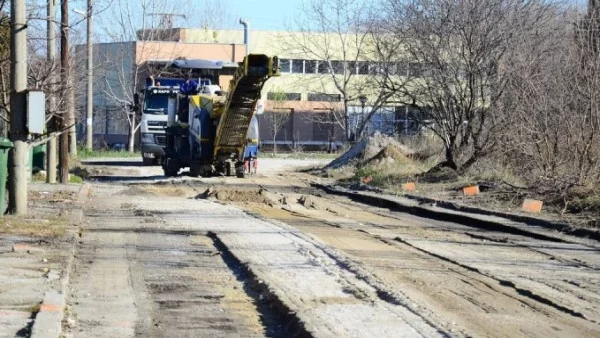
{"x": 84, "y": 192}
{"x": 48, "y": 321}
{"x": 475, "y": 217}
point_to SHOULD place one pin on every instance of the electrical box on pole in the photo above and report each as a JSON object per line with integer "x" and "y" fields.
{"x": 36, "y": 111}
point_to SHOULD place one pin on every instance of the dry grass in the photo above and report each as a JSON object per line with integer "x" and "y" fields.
{"x": 391, "y": 174}
{"x": 47, "y": 227}
{"x": 501, "y": 189}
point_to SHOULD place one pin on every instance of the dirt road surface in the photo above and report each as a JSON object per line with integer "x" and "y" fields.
{"x": 270, "y": 255}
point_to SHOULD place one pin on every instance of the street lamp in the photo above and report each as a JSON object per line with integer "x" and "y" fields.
{"x": 363, "y": 100}
{"x": 90, "y": 86}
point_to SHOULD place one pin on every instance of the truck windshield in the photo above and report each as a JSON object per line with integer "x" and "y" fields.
{"x": 156, "y": 104}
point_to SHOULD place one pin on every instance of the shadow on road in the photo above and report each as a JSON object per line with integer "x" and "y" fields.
{"x": 106, "y": 178}
{"x": 115, "y": 163}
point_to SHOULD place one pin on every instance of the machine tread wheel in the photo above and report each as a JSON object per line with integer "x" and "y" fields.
{"x": 240, "y": 171}
{"x": 195, "y": 169}
{"x": 206, "y": 173}
{"x": 171, "y": 168}
{"x": 148, "y": 161}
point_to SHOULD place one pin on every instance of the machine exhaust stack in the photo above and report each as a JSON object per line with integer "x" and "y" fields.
{"x": 246, "y": 35}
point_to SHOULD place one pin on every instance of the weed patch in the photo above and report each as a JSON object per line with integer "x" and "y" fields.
{"x": 84, "y": 153}
{"x": 47, "y": 227}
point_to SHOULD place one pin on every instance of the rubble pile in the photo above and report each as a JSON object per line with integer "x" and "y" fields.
{"x": 377, "y": 149}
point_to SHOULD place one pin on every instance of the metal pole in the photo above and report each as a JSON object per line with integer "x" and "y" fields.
{"x": 406, "y": 106}
{"x": 70, "y": 100}
{"x": 51, "y": 145}
{"x": 64, "y": 63}
{"x": 89, "y": 142}
{"x": 362, "y": 117}
{"x": 246, "y": 24}
{"x": 18, "y": 159}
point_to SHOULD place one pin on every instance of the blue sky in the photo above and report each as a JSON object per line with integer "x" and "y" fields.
{"x": 262, "y": 14}
{"x": 279, "y": 14}
{"x": 265, "y": 14}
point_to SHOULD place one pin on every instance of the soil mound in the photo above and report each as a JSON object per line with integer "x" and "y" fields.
{"x": 369, "y": 148}
{"x": 225, "y": 194}
{"x": 389, "y": 154}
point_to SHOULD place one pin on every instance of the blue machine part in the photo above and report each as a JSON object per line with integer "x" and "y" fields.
{"x": 251, "y": 151}
{"x": 189, "y": 87}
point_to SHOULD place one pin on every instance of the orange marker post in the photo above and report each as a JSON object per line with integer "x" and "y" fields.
{"x": 533, "y": 206}
{"x": 471, "y": 191}
{"x": 410, "y": 186}
{"x": 367, "y": 179}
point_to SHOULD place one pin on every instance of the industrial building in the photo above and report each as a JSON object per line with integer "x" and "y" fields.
{"x": 300, "y": 109}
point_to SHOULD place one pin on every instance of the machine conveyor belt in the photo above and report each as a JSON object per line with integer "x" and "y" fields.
{"x": 245, "y": 88}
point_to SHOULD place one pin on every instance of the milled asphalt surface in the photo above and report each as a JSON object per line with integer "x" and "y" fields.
{"x": 158, "y": 260}
{"x": 159, "y": 274}
{"x": 140, "y": 275}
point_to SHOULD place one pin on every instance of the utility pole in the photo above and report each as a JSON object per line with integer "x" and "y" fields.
{"x": 64, "y": 64}
{"x": 51, "y": 145}
{"x": 18, "y": 175}
{"x": 89, "y": 141}
{"x": 70, "y": 99}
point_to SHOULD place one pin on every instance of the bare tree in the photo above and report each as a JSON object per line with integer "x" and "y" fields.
{"x": 554, "y": 139}
{"x": 122, "y": 66}
{"x": 459, "y": 76}
{"x": 4, "y": 67}
{"x": 220, "y": 16}
{"x": 333, "y": 36}
{"x": 277, "y": 117}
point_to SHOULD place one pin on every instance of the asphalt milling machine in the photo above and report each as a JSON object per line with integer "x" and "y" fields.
{"x": 216, "y": 133}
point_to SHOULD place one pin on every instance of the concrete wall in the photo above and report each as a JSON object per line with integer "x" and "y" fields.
{"x": 161, "y": 50}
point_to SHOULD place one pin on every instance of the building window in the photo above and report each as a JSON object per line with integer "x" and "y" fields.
{"x": 338, "y": 67}
{"x": 323, "y": 67}
{"x": 324, "y": 97}
{"x": 298, "y": 66}
{"x": 377, "y": 68}
{"x": 401, "y": 68}
{"x": 310, "y": 66}
{"x": 353, "y": 67}
{"x": 363, "y": 68}
{"x": 416, "y": 69}
{"x": 274, "y": 96}
{"x": 391, "y": 68}
{"x": 285, "y": 65}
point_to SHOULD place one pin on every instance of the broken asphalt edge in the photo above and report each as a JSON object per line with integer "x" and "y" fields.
{"x": 48, "y": 321}
{"x": 470, "y": 216}
{"x": 558, "y": 226}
